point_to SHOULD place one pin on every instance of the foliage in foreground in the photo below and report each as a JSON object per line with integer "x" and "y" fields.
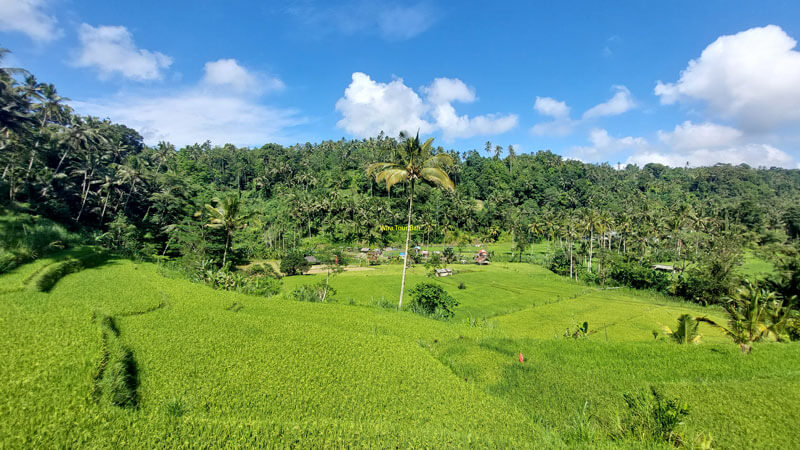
{"x": 652, "y": 417}
{"x": 685, "y": 331}
{"x": 432, "y": 300}
{"x": 754, "y": 313}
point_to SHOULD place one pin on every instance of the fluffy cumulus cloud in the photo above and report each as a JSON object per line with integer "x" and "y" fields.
{"x": 750, "y": 77}
{"x": 111, "y": 50}
{"x": 561, "y": 125}
{"x": 28, "y": 17}
{"x": 548, "y": 106}
{"x": 369, "y": 107}
{"x": 228, "y": 73}
{"x": 621, "y": 102}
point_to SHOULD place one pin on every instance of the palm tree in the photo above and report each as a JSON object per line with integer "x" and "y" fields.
{"x": 753, "y": 314}
{"x": 226, "y": 215}
{"x": 590, "y": 222}
{"x": 512, "y": 156}
{"x": 77, "y": 137}
{"x": 413, "y": 162}
{"x": 686, "y": 331}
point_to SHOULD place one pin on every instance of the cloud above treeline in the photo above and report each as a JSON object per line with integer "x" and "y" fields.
{"x": 750, "y": 78}
{"x": 224, "y": 107}
{"x": 111, "y": 51}
{"x": 369, "y": 107}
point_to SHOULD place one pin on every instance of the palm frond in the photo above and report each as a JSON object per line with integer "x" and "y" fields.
{"x": 724, "y": 330}
{"x": 441, "y": 160}
{"x": 438, "y": 177}
{"x": 394, "y": 176}
{"x": 378, "y": 167}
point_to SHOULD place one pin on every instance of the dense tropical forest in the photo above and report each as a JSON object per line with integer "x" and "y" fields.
{"x": 77, "y": 192}
{"x": 604, "y": 224}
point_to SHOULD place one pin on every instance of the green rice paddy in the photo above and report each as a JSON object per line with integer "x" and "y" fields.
{"x": 213, "y": 368}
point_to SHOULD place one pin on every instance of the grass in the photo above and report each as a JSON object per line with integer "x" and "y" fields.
{"x": 226, "y": 369}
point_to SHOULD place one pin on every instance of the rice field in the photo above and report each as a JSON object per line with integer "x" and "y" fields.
{"x": 117, "y": 354}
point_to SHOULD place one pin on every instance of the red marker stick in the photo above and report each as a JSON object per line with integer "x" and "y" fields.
{"x": 521, "y": 359}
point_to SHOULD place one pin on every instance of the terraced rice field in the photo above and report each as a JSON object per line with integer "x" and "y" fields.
{"x": 117, "y": 354}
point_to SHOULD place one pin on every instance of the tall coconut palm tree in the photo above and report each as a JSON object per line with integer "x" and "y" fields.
{"x": 226, "y": 214}
{"x": 413, "y": 163}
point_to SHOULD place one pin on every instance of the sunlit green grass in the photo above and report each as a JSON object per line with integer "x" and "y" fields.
{"x": 279, "y": 372}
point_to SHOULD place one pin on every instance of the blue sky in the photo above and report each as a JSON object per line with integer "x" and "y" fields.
{"x": 633, "y": 81}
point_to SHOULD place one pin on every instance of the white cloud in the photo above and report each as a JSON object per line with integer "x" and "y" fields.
{"x": 621, "y": 102}
{"x": 703, "y": 135}
{"x": 194, "y": 116}
{"x": 28, "y": 17}
{"x": 561, "y": 125}
{"x": 442, "y": 92}
{"x": 455, "y": 126}
{"x": 228, "y": 73}
{"x": 755, "y": 155}
{"x": 548, "y": 106}
{"x": 750, "y": 77}
{"x": 603, "y": 145}
{"x": 110, "y": 49}
{"x": 446, "y": 90}
{"x": 369, "y": 107}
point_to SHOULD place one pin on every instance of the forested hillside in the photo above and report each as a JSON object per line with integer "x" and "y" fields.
{"x": 99, "y": 177}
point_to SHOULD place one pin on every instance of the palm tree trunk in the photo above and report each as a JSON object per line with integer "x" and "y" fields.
{"x": 570, "y": 259}
{"x": 105, "y": 204}
{"x": 327, "y": 279}
{"x": 405, "y": 255}
{"x": 591, "y": 248}
{"x": 53, "y": 177}
{"x": 225, "y": 253}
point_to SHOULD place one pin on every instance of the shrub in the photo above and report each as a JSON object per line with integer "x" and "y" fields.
{"x": 461, "y": 285}
{"x": 313, "y": 292}
{"x": 793, "y": 329}
{"x": 431, "y": 299}
{"x": 294, "y": 263}
{"x": 232, "y": 281}
{"x": 262, "y": 270}
{"x": 639, "y": 276}
{"x": 263, "y": 286}
{"x": 653, "y": 417}
{"x": 449, "y": 254}
{"x": 713, "y": 277}
{"x": 7, "y": 261}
